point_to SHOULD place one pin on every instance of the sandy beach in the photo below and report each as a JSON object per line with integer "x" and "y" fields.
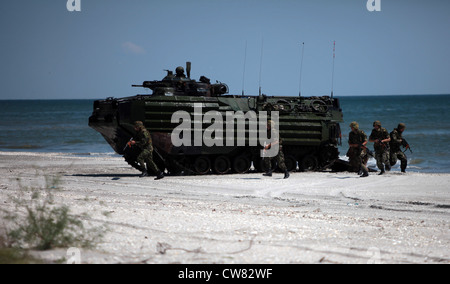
{"x": 247, "y": 218}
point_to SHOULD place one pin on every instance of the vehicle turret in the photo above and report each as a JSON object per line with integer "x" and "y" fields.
{"x": 180, "y": 85}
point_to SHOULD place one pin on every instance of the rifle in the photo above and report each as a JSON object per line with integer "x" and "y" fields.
{"x": 159, "y": 155}
{"x": 383, "y": 145}
{"x": 126, "y": 145}
{"x": 369, "y": 152}
{"x": 406, "y": 145}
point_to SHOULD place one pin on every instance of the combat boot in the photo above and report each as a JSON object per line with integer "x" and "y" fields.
{"x": 382, "y": 171}
{"x": 159, "y": 175}
{"x": 365, "y": 172}
{"x": 144, "y": 174}
{"x": 403, "y": 166}
{"x": 286, "y": 174}
{"x": 268, "y": 174}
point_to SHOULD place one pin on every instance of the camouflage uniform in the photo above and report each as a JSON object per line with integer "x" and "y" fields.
{"x": 381, "y": 149}
{"x": 279, "y": 157}
{"x": 144, "y": 143}
{"x": 396, "y": 152}
{"x": 357, "y": 155}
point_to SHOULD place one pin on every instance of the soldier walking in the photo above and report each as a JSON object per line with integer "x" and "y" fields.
{"x": 381, "y": 138}
{"x": 357, "y": 141}
{"x": 279, "y": 157}
{"x": 395, "y": 143}
{"x": 144, "y": 142}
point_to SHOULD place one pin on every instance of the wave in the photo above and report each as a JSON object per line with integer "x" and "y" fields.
{"x": 416, "y": 161}
{"x": 22, "y": 147}
{"x": 91, "y": 154}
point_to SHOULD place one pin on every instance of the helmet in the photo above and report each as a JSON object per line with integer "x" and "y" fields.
{"x": 138, "y": 124}
{"x": 179, "y": 70}
{"x": 401, "y": 126}
{"x": 354, "y": 125}
{"x": 377, "y": 123}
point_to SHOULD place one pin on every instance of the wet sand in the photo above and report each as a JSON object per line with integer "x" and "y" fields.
{"x": 246, "y": 218}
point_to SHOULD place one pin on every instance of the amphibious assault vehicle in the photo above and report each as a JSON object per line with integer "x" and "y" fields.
{"x": 308, "y": 126}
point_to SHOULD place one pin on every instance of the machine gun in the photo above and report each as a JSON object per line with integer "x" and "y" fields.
{"x": 152, "y": 85}
{"x": 406, "y": 145}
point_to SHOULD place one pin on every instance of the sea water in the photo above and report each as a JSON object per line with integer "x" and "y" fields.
{"x": 49, "y": 126}
{"x": 62, "y": 126}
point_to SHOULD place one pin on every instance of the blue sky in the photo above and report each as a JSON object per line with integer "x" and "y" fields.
{"x": 48, "y": 52}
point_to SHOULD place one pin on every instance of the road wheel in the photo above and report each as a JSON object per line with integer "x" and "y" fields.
{"x": 202, "y": 165}
{"x": 309, "y": 163}
{"x": 241, "y": 164}
{"x": 222, "y": 165}
{"x": 291, "y": 163}
{"x": 262, "y": 165}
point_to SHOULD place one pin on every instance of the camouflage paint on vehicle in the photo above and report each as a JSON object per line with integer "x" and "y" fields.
{"x": 308, "y": 126}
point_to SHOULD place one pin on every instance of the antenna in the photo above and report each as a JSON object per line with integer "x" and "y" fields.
{"x": 243, "y": 73}
{"x": 260, "y": 65}
{"x": 301, "y": 69}
{"x": 332, "y": 72}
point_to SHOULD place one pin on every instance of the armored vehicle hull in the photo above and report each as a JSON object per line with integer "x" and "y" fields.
{"x": 308, "y": 126}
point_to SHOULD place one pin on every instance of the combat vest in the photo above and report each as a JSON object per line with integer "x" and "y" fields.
{"x": 381, "y": 135}
{"x": 395, "y": 143}
{"x": 143, "y": 140}
{"x": 357, "y": 138}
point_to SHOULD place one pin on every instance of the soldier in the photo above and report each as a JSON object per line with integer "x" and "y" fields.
{"x": 179, "y": 71}
{"x": 396, "y": 152}
{"x": 381, "y": 138}
{"x": 144, "y": 143}
{"x": 279, "y": 157}
{"x": 357, "y": 141}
